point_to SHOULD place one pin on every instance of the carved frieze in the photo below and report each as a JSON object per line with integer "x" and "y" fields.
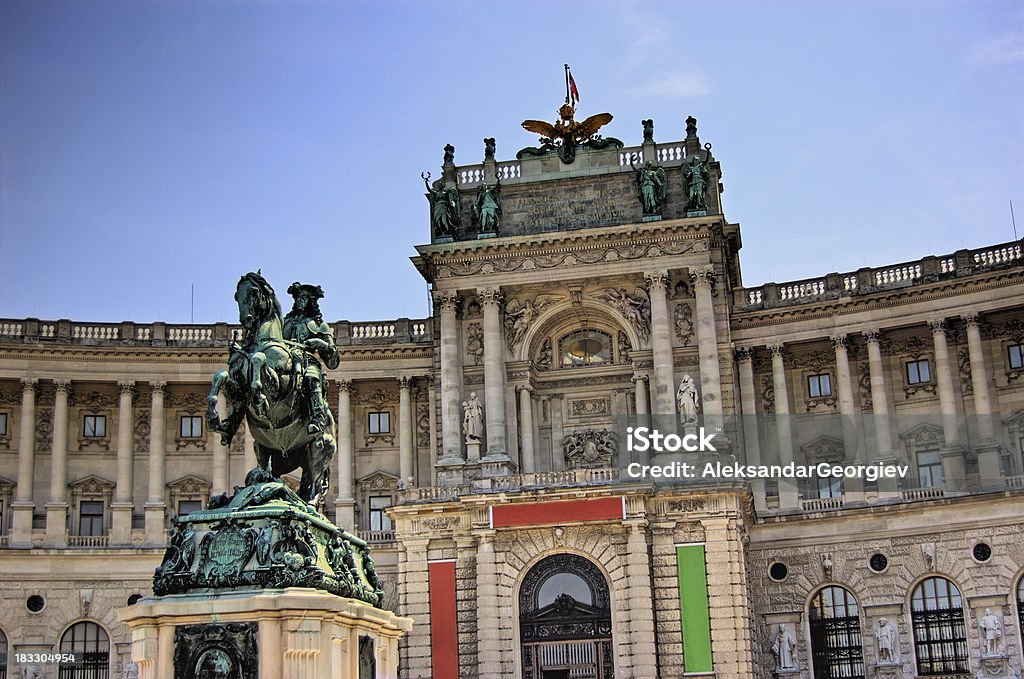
{"x": 588, "y": 407}
{"x": 544, "y": 356}
{"x": 635, "y": 307}
{"x": 141, "y": 430}
{"x": 682, "y": 320}
{"x": 519, "y": 316}
{"x": 590, "y": 448}
{"x": 475, "y": 342}
{"x": 44, "y": 429}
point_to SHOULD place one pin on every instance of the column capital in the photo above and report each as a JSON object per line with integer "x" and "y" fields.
{"x": 126, "y": 388}
{"x": 29, "y": 384}
{"x": 62, "y": 386}
{"x": 489, "y": 296}
{"x": 344, "y": 385}
{"x": 159, "y": 387}
{"x": 778, "y": 349}
{"x": 938, "y": 326}
{"x": 656, "y": 280}
{"x": 446, "y": 300}
{"x": 701, "y": 276}
{"x": 405, "y": 382}
{"x": 524, "y": 387}
{"x": 971, "y": 320}
{"x": 873, "y": 335}
{"x": 839, "y": 341}
{"x": 744, "y": 354}
{"x": 640, "y": 377}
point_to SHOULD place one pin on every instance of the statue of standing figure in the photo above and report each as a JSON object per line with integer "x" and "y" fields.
{"x": 686, "y": 397}
{"x": 991, "y": 632}
{"x": 784, "y": 649}
{"x": 650, "y": 187}
{"x": 885, "y": 640}
{"x": 445, "y": 206}
{"x": 472, "y": 418}
{"x": 697, "y": 176}
{"x": 487, "y": 206}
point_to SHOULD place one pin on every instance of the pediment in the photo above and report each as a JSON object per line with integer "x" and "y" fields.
{"x": 923, "y": 434}
{"x": 92, "y": 484}
{"x": 825, "y": 449}
{"x": 191, "y": 485}
{"x": 379, "y": 481}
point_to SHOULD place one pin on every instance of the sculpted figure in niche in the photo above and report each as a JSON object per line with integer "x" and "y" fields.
{"x": 686, "y": 397}
{"x": 784, "y": 649}
{"x": 991, "y": 632}
{"x": 472, "y": 418}
{"x": 885, "y": 640}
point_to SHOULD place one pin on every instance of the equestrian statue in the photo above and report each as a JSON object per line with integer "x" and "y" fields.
{"x": 275, "y": 381}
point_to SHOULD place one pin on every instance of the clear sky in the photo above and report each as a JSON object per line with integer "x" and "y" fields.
{"x": 149, "y": 147}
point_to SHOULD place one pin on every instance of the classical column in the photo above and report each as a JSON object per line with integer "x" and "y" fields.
{"x": 344, "y": 501}
{"x": 220, "y": 453}
{"x": 988, "y": 450}
{"x": 847, "y": 414}
{"x": 488, "y": 632}
{"x": 405, "y": 449}
{"x": 156, "y": 506}
{"x": 664, "y": 395}
{"x": 494, "y": 373}
{"x": 703, "y": 279}
{"x": 787, "y": 488}
{"x": 122, "y": 506}
{"x": 529, "y": 461}
{"x": 954, "y": 470}
{"x": 557, "y": 433}
{"x": 451, "y": 380}
{"x": 748, "y": 409}
{"x": 24, "y": 505}
{"x": 643, "y": 417}
{"x": 880, "y": 407}
{"x": 57, "y": 507}
{"x": 641, "y": 606}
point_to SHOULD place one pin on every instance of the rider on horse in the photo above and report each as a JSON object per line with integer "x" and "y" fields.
{"x": 305, "y": 325}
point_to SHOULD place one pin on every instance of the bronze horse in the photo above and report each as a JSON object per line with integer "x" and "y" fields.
{"x": 263, "y": 384}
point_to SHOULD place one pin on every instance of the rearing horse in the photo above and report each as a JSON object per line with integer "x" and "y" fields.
{"x": 263, "y": 383}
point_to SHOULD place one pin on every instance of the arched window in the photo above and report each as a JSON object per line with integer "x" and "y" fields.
{"x": 585, "y": 347}
{"x": 1020, "y": 605}
{"x": 91, "y": 647}
{"x": 835, "y": 635}
{"x": 565, "y": 620}
{"x": 3, "y": 655}
{"x": 940, "y": 639}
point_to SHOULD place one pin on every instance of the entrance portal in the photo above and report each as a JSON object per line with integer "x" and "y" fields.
{"x": 565, "y": 620}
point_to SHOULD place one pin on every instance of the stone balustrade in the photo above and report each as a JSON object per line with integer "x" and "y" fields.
{"x": 376, "y": 537}
{"x": 824, "y": 504}
{"x": 88, "y": 540}
{"x": 868, "y": 280}
{"x": 32, "y": 330}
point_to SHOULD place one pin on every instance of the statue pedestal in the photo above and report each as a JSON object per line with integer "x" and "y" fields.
{"x": 269, "y": 634}
{"x": 889, "y": 670}
{"x": 473, "y": 450}
{"x": 790, "y": 673}
{"x": 996, "y": 666}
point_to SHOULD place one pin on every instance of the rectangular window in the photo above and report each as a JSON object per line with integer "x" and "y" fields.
{"x": 380, "y": 423}
{"x": 378, "y": 519}
{"x": 95, "y": 426}
{"x": 3, "y": 424}
{"x": 90, "y": 517}
{"x": 1016, "y": 355}
{"x": 819, "y": 385}
{"x": 2, "y": 524}
{"x": 929, "y": 468}
{"x": 189, "y": 506}
{"x": 830, "y": 486}
{"x": 191, "y": 427}
{"x": 919, "y": 372}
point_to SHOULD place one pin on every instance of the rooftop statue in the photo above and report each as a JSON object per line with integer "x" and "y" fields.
{"x": 487, "y": 206}
{"x": 445, "y": 206}
{"x": 650, "y": 186}
{"x": 566, "y": 134}
{"x": 697, "y": 176}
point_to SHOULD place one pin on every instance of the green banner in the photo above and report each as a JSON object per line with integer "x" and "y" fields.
{"x": 693, "y": 608}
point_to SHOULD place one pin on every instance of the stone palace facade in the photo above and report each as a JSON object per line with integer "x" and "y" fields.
{"x": 482, "y": 451}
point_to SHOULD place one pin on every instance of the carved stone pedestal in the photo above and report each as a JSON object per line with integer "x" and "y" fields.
{"x": 787, "y": 674}
{"x": 268, "y": 634}
{"x": 996, "y": 667}
{"x": 889, "y": 671}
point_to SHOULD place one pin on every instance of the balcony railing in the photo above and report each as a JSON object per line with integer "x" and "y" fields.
{"x": 376, "y": 537}
{"x": 346, "y": 333}
{"x": 868, "y": 280}
{"x": 1014, "y": 482}
{"x": 912, "y": 494}
{"x": 498, "y": 484}
{"x": 823, "y": 504}
{"x": 88, "y": 540}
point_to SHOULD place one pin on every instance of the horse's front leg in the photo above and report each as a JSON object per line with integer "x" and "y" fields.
{"x": 259, "y": 400}
{"x": 212, "y": 416}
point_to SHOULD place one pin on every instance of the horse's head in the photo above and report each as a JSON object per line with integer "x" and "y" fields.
{"x": 257, "y": 301}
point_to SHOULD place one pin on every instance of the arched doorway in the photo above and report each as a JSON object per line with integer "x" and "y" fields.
{"x": 835, "y": 634}
{"x": 940, "y": 635}
{"x": 91, "y": 647}
{"x": 565, "y": 620}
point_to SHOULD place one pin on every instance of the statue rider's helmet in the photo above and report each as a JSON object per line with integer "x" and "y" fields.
{"x": 313, "y": 292}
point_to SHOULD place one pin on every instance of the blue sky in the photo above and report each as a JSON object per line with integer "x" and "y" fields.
{"x": 148, "y": 147}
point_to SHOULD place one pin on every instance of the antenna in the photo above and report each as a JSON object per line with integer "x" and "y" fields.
{"x": 1013, "y": 221}
{"x": 193, "y": 305}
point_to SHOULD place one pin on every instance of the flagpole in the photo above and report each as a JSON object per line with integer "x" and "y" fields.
{"x": 567, "y": 83}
